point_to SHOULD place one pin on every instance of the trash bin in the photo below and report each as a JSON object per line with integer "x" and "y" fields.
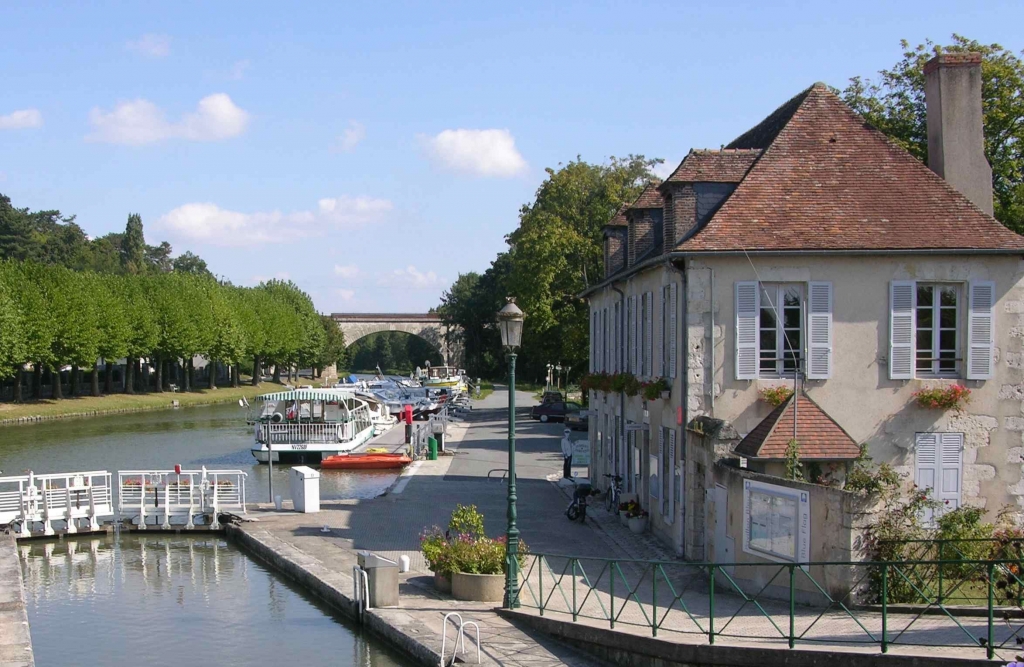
{"x": 437, "y": 428}
{"x": 304, "y": 484}
{"x": 382, "y": 578}
{"x": 432, "y": 447}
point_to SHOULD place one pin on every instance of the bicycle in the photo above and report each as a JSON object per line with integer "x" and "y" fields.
{"x": 578, "y": 507}
{"x": 611, "y": 498}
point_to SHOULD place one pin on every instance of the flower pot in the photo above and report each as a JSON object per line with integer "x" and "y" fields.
{"x": 442, "y": 583}
{"x": 665, "y": 394}
{"x": 623, "y": 519}
{"x": 638, "y": 524}
{"x": 478, "y": 587}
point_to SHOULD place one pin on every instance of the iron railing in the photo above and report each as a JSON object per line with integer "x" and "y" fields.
{"x": 821, "y": 603}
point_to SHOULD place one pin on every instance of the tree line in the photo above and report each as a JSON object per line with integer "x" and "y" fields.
{"x": 391, "y": 351}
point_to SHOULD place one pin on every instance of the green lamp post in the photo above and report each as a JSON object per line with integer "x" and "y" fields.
{"x": 510, "y": 323}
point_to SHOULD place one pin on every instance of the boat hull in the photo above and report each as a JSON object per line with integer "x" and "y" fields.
{"x": 365, "y": 462}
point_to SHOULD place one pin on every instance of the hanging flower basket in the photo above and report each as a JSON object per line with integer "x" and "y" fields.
{"x": 949, "y": 397}
{"x": 776, "y": 396}
{"x": 654, "y": 390}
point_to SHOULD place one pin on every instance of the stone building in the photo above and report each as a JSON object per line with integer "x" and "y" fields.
{"x": 812, "y": 246}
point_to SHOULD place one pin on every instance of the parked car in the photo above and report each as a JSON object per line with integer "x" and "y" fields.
{"x": 551, "y": 397}
{"x": 554, "y": 411}
{"x": 578, "y": 420}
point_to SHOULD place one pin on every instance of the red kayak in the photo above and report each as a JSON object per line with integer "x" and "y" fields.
{"x": 365, "y": 461}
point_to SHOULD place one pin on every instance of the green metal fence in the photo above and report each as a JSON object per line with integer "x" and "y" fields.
{"x": 789, "y": 603}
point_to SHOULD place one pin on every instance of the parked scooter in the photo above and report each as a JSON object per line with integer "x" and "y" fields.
{"x": 578, "y": 507}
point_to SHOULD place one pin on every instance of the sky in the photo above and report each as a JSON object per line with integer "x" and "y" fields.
{"x": 373, "y": 153}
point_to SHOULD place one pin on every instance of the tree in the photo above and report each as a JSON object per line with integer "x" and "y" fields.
{"x": 334, "y": 345}
{"x": 158, "y": 258}
{"x": 12, "y": 336}
{"x": 76, "y": 334}
{"x": 188, "y": 262}
{"x": 133, "y": 246}
{"x": 895, "y": 104}
{"x": 114, "y": 326}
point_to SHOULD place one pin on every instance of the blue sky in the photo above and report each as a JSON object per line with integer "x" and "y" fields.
{"x": 372, "y": 153}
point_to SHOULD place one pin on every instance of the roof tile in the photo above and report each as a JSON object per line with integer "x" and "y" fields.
{"x": 711, "y": 166}
{"x": 819, "y": 436}
{"x": 649, "y": 198}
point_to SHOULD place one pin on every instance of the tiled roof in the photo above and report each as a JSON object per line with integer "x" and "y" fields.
{"x": 728, "y": 165}
{"x": 818, "y": 435}
{"x": 649, "y": 198}
{"x": 619, "y": 219}
{"x": 826, "y": 180}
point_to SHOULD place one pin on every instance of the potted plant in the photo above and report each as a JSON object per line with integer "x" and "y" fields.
{"x": 638, "y": 520}
{"x": 655, "y": 389}
{"x": 434, "y": 547}
{"x": 950, "y": 397}
{"x": 631, "y": 386}
{"x": 623, "y": 513}
{"x": 775, "y": 396}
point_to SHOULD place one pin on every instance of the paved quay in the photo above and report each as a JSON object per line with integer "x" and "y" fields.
{"x": 15, "y": 641}
{"x": 390, "y": 525}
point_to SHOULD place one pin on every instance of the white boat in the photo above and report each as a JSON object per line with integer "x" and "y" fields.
{"x": 447, "y": 377}
{"x": 308, "y": 425}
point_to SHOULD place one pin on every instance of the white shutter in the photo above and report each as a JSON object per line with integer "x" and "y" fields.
{"x": 661, "y": 469}
{"x": 672, "y": 330}
{"x": 634, "y": 320}
{"x": 951, "y": 447}
{"x": 980, "y": 327}
{"x": 902, "y": 298}
{"x": 614, "y": 351}
{"x": 672, "y": 467}
{"x": 927, "y": 464}
{"x": 593, "y": 338}
{"x": 649, "y": 358}
{"x": 819, "y": 331}
{"x": 747, "y": 317}
{"x": 663, "y": 333}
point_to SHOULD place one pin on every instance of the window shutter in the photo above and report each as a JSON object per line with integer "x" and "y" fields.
{"x": 747, "y": 317}
{"x": 819, "y": 331}
{"x": 672, "y": 330}
{"x": 661, "y": 469}
{"x": 980, "y": 329}
{"x": 671, "y": 467}
{"x": 902, "y": 296}
{"x": 663, "y": 332}
{"x": 926, "y": 461}
{"x": 649, "y": 359}
{"x": 634, "y": 321}
{"x": 951, "y": 447}
{"x": 593, "y": 338}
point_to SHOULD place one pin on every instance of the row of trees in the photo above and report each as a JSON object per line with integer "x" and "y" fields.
{"x": 52, "y": 317}
{"x": 392, "y": 351}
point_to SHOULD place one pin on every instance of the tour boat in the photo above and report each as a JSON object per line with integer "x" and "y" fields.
{"x": 371, "y": 461}
{"x": 308, "y": 425}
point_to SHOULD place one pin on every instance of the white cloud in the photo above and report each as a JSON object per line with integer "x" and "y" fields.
{"x": 21, "y": 119}
{"x": 665, "y": 169}
{"x": 208, "y": 223}
{"x": 237, "y": 71}
{"x": 151, "y": 45}
{"x": 350, "y": 138}
{"x": 350, "y": 271}
{"x": 412, "y": 278}
{"x": 141, "y": 122}
{"x": 346, "y": 294}
{"x": 479, "y": 152}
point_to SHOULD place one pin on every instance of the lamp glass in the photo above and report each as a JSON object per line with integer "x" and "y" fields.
{"x": 510, "y": 323}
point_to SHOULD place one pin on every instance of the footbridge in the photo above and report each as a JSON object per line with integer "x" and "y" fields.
{"x": 428, "y": 326}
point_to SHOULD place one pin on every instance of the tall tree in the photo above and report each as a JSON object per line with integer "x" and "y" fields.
{"x": 895, "y": 104}
{"x": 133, "y": 246}
{"x": 188, "y": 262}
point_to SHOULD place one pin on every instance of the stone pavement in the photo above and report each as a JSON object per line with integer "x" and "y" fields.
{"x": 427, "y": 493}
{"x": 15, "y": 642}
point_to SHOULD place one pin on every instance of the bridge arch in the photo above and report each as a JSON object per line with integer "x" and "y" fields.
{"x": 427, "y": 326}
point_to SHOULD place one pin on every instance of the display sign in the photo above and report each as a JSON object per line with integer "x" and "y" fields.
{"x": 776, "y": 522}
{"x": 581, "y": 452}
{"x": 630, "y": 426}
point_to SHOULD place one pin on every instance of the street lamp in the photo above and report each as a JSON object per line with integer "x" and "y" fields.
{"x": 558, "y": 377}
{"x": 510, "y": 322}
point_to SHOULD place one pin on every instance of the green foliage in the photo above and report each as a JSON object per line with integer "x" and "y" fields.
{"x": 466, "y": 520}
{"x": 392, "y": 351}
{"x": 651, "y": 391}
{"x": 895, "y": 104}
{"x": 775, "y": 396}
{"x": 863, "y": 477}
{"x": 794, "y": 469}
{"x": 133, "y": 246}
{"x": 465, "y": 547}
{"x": 949, "y": 397}
{"x": 187, "y": 262}
{"x": 334, "y": 344}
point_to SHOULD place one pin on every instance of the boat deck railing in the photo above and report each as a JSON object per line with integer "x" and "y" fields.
{"x": 304, "y": 432}
{"x": 68, "y": 497}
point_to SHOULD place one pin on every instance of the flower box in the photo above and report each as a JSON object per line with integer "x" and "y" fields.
{"x": 442, "y": 583}
{"x": 478, "y": 587}
{"x": 949, "y": 397}
{"x": 637, "y": 524}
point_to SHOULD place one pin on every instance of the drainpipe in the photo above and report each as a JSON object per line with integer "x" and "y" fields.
{"x": 712, "y": 288}
{"x": 683, "y": 402}
{"x": 621, "y": 362}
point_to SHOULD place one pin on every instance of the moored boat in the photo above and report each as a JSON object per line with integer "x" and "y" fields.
{"x": 369, "y": 461}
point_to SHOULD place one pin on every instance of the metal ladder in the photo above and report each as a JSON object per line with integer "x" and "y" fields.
{"x": 460, "y": 639}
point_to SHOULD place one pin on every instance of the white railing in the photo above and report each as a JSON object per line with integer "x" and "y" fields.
{"x": 166, "y": 495}
{"x": 286, "y": 434}
{"x": 69, "y": 497}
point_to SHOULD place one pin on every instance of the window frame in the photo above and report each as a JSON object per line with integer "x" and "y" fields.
{"x": 936, "y": 349}
{"x": 779, "y": 311}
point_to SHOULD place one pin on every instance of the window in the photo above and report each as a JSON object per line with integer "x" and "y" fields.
{"x": 939, "y": 467}
{"x": 934, "y": 333}
{"x": 781, "y": 328}
{"x": 936, "y": 330}
{"x": 776, "y": 522}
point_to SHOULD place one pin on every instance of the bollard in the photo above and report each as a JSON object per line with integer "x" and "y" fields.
{"x": 407, "y": 417}
{"x": 432, "y": 446}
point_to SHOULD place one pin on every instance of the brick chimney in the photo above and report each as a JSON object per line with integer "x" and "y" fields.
{"x": 956, "y": 142}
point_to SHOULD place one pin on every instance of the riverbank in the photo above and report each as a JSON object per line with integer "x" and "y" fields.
{"x": 90, "y": 406}
{"x": 15, "y": 641}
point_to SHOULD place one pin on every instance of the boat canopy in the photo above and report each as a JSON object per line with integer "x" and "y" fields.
{"x": 331, "y": 394}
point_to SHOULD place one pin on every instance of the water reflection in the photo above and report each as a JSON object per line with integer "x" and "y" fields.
{"x": 111, "y": 601}
{"x": 214, "y": 436}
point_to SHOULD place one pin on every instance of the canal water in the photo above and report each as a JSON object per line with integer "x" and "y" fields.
{"x": 162, "y": 600}
{"x": 213, "y": 436}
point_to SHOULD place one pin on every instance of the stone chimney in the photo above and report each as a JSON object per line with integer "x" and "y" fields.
{"x": 956, "y": 142}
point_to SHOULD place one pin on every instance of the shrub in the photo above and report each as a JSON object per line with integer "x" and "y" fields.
{"x": 794, "y": 469}
{"x": 465, "y": 547}
{"x": 466, "y": 520}
{"x": 775, "y": 396}
{"x": 943, "y": 398}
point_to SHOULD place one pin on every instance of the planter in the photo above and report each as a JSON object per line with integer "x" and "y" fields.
{"x": 665, "y": 395}
{"x": 623, "y": 519}
{"x": 638, "y": 524}
{"x": 442, "y": 583}
{"x": 478, "y": 587}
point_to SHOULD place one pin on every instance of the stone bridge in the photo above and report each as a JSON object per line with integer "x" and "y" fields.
{"x": 427, "y": 326}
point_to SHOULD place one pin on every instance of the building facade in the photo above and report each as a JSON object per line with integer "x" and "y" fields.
{"x": 813, "y": 254}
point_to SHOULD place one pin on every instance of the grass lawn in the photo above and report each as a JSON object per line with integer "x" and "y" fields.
{"x": 124, "y": 402}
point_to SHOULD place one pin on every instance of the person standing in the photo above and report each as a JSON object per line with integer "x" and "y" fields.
{"x": 566, "y": 454}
